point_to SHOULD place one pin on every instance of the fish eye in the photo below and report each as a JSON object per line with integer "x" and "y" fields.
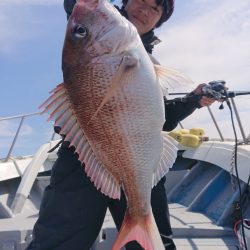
{"x": 80, "y": 31}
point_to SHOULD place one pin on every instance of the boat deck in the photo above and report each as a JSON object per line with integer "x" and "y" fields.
{"x": 191, "y": 230}
{"x": 200, "y": 193}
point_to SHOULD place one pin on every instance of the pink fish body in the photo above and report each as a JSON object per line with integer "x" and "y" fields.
{"x": 110, "y": 108}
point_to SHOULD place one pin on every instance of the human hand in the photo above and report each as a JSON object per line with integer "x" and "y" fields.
{"x": 205, "y": 100}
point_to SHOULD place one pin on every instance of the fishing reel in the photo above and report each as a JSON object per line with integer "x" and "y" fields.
{"x": 215, "y": 89}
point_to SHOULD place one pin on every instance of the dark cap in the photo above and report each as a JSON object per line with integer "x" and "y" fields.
{"x": 168, "y": 9}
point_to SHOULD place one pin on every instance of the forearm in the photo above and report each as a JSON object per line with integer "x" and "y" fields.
{"x": 176, "y": 112}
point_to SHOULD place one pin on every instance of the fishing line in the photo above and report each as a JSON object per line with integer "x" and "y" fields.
{"x": 247, "y": 187}
{"x": 237, "y": 174}
{"x": 218, "y": 91}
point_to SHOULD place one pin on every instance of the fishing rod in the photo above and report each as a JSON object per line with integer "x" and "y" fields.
{"x": 214, "y": 89}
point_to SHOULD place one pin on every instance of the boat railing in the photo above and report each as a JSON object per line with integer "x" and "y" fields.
{"x": 245, "y": 139}
{"x": 21, "y": 118}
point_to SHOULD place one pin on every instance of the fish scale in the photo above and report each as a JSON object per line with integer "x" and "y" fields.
{"x": 110, "y": 108}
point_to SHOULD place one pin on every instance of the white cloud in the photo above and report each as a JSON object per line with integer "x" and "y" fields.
{"x": 10, "y": 3}
{"x": 210, "y": 45}
{"x": 34, "y": 132}
{"x": 211, "y": 42}
{"x": 20, "y": 21}
{"x": 8, "y": 129}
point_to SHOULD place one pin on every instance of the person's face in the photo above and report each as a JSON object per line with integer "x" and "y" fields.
{"x": 144, "y": 14}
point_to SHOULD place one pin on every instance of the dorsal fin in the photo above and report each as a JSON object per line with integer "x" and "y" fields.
{"x": 59, "y": 108}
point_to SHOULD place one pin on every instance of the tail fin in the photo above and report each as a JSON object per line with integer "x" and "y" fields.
{"x": 143, "y": 230}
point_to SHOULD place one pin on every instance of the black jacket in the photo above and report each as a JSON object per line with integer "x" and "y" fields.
{"x": 174, "y": 111}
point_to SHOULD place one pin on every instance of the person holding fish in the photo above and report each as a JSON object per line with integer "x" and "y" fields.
{"x": 75, "y": 203}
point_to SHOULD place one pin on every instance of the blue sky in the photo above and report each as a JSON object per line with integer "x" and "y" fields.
{"x": 32, "y": 34}
{"x": 206, "y": 39}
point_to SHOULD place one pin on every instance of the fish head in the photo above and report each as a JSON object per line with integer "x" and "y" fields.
{"x": 96, "y": 28}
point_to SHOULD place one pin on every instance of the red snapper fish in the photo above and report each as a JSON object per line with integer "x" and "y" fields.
{"x": 110, "y": 108}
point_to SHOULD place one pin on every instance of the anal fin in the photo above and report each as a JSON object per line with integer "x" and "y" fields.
{"x": 168, "y": 158}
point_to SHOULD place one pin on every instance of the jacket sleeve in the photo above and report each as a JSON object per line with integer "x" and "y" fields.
{"x": 68, "y": 6}
{"x": 176, "y": 112}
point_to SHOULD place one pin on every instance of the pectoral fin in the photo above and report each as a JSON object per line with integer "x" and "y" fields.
{"x": 171, "y": 78}
{"x": 128, "y": 62}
